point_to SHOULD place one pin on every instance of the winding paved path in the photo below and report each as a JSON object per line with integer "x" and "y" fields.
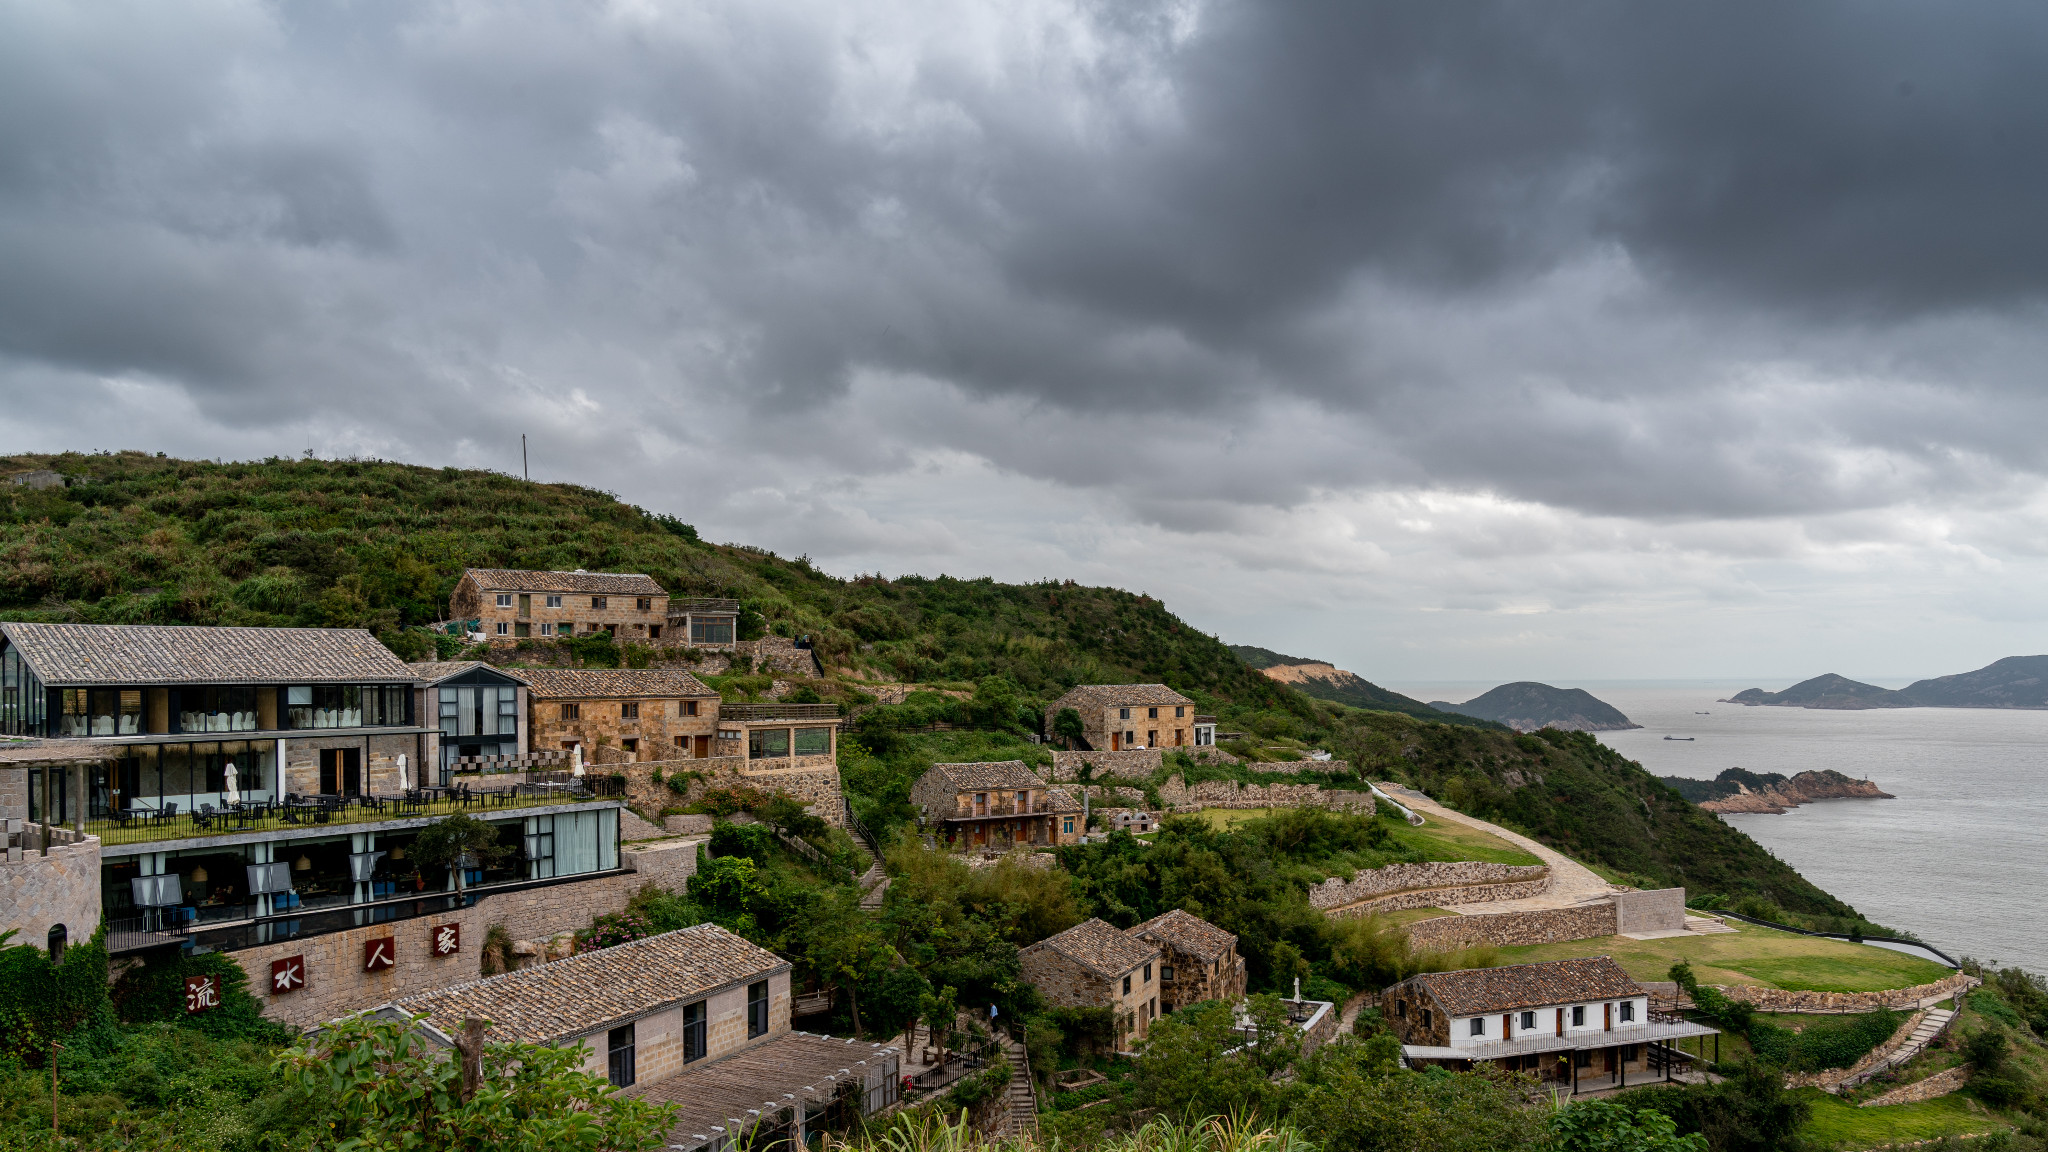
{"x": 1570, "y": 881}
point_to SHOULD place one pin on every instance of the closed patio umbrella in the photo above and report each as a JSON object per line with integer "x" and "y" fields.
{"x": 234, "y": 793}
{"x": 576, "y": 760}
{"x": 402, "y": 785}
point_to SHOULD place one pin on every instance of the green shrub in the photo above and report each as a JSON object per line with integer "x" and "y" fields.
{"x": 40, "y": 1001}
{"x": 155, "y": 992}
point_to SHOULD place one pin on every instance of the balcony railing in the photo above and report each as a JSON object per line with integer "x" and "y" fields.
{"x": 338, "y": 811}
{"x": 745, "y": 712}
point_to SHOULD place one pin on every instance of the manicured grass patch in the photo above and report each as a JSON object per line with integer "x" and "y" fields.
{"x": 1840, "y": 1124}
{"x": 1442, "y": 840}
{"x": 1751, "y": 955}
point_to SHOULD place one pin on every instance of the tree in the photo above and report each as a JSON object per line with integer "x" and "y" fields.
{"x": 394, "y": 1091}
{"x": 1610, "y": 1126}
{"x": 459, "y": 841}
{"x": 1066, "y": 724}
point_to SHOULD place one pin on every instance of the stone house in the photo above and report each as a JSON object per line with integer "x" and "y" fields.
{"x": 1115, "y": 717}
{"x": 646, "y": 713}
{"x": 782, "y": 737}
{"x": 475, "y": 710}
{"x": 704, "y": 621}
{"x": 1582, "y": 1021}
{"x": 641, "y": 1011}
{"x": 1092, "y": 965}
{"x": 1197, "y": 960}
{"x": 995, "y": 805}
{"x": 513, "y": 604}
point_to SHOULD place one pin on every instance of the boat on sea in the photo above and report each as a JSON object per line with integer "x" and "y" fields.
{"x": 1681, "y": 737}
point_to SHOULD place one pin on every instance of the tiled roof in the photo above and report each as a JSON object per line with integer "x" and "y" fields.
{"x": 58, "y": 752}
{"x": 435, "y": 671}
{"x": 1187, "y": 932}
{"x": 597, "y": 583}
{"x": 1059, "y": 800}
{"x": 78, "y": 654}
{"x": 999, "y": 774}
{"x": 594, "y": 990}
{"x": 1100, "y": 948}
{"x": 551, "y": 683}
{"x": 1476, "y": 991}
{"x": 1122, "y": 695}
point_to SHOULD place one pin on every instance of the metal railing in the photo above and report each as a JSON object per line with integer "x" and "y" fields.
{"x": 860, "y": 829}
{"x": 338, "y": 811}
{"x": 744, "y": 712}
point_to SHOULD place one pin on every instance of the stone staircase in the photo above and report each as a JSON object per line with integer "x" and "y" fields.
{"x": 1022, "y": 1117}
{"x": 1931, "y": 1027}
{"x": 873, "y": 882}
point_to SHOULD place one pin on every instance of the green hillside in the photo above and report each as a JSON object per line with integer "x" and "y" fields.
{"x": 1341, "y": 687}
{"x": 135, "y": 538}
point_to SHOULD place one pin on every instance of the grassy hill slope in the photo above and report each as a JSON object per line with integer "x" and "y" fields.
{"x": 145, "y": 539}
{"x": 1320, "y": 679}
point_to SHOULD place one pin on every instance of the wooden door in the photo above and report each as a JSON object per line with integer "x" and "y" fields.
{"x": 703, "y": 747}
{"x": 1116, "y": 741}
{"x": 1608, "y": 1061}
{"x": 341, "y": 771}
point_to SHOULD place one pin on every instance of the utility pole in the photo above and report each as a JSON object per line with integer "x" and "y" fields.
{"x": 54, "y": 1049}
{"x": 524, "y": 474}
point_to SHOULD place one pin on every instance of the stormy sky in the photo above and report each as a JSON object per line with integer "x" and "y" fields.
{"x": 1446, "y": 341}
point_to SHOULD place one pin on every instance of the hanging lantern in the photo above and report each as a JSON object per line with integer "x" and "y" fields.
{"x": 302, "y": 864}
{"x": 199, "y": 874}
{"x": 398, "y": 853}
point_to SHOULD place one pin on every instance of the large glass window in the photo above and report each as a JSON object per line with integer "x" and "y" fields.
{"x": 479, "y": 711}
{"x": 100, "y": 712}
{"x": 767, "y": 743}
{"x": 384, "y": 705}
{"x": 216, "y": 708}
{"x": 716, "y": 630}
{"x": 345, "y": 705}
{"x": 619, "y": 1050}
{"x": 693, "y": 1032}
{"x": 814, "y": 741}
{"x": 757, "y": 1009}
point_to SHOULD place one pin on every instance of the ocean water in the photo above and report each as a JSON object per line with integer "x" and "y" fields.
{"x": 1960, "y": 858}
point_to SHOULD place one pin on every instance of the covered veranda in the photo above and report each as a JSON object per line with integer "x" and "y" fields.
{"x": 1587, "y": 1061}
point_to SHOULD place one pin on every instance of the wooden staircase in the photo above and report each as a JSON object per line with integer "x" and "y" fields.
{"x": 1022, "y": 1117}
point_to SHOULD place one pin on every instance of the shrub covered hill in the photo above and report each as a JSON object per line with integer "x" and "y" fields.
{"x": 133, "y": 538}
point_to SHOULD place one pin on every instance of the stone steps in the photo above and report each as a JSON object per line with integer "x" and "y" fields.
{"x": 1022, "y": 1117}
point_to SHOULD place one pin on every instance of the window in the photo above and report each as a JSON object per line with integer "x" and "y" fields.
{"x": 1123, "y": 713}
{"x": 1148, "y": 973}
{"x": 1628, "y": 1011}
{"x": 757, "y": 1009}
{"x": 1579, "y": 1016}
{"x": 522, "y": 629}
{"x": 629, "y": 710}
{"x": 504, "y": 599}
{"x": 1528, "y": 1021}
{"x": 644, "y": 604}
{"x": 504, "y": 629}
{"x": 619, "y": 1047}
{"x": 572, "y": 711}
{"x": 1066, "y": 825}
{"x": 547, "y": 629}
{"x": 1627, "y": 1055}
{"x": 597, "y": 601}
{"x": 1165, "y": 972}
{"x": 1401, "y": 1009}
{"x": 1152, "y": 737}
{"x": 689, "y": 708}
{"x": 1479, "y": 1026}
{"x": 693, "y": 1032}
{"x": 1180, "y": 712}
{"x": 717, "y": 630}
{"x": 682, "y": 741}
{"x": 1425, "y": 1017}
{"x": 229, "y": 709}
{"x": 1127, "y": 985}
{"x": 554, "y": 601}
{"x": 1151, "y": 713}
{"x": 767, "y": 743}
{"x": 117, "y": 712}
{"x": 814, "y": 741}
{"x": 630, "y": 745}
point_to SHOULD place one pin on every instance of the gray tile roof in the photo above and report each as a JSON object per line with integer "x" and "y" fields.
{"x": 85, "y": 654}
{"x": 590, "y": 991}
{"x": 1059, "y": 800}
{"x": 562, "y": 683}
{"x": 1477, "y": 991}
{"x": 1121, "y": 696}
{"x": 1097, "y": 946}
{"x": 999, "y": 774}
{"x": 597, "y": 583}
{"x": 1187, "y": 932}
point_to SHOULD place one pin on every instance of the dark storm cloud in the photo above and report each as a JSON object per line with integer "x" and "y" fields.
{"x": 1649, "y": 260}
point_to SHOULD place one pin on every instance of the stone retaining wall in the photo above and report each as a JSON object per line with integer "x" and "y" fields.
{"x": 1177, "y": 794}
{"x": 1939, "y": 1084}
{"x": 814, "y": 781}
{"x": 1441, "y": 898}
{"x": 38, "y": 891}
{"x": 1334, "y": 893}
{"x": 1135, "y": 764}
{"x": 1845, "y": 1003}
{"x": 1832, "y": 1079}
{"x": 1509, "y": 929}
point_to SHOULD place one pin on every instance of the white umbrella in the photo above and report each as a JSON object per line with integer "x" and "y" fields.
{"x": 234, "y": 793}
{"x": 576, "y": 760}
{"x": 401, "y": 772}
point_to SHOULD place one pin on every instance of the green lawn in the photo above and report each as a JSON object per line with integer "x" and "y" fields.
{"x": 1751, "y": 955}
{"x": 1434, "y": 840}
{"x": 1842, "y": 1125}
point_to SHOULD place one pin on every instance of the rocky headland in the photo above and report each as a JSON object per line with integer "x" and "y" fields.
{"x": 2014, "y": 682}
{"x": 1526, "y": 706}
{"x": 1770, "y": 792}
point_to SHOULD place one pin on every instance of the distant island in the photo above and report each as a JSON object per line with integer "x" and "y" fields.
{"x": 1326, "y": 681}
{"x": 1526, "y": 706}
{"x": 2014, "y": 682}
{"x": 1738, "y": 791}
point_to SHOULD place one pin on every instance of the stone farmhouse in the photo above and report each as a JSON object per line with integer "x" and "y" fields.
{"x": 996, "y": 805}
{"x": 511, "y": 604}
{"x": 1582, "y": 1022}
{"x": 258, "y": 792}
{"x": 646, "y": 713}
{"x": 1115, "y": 717}
{"x": 1197, "y": 960}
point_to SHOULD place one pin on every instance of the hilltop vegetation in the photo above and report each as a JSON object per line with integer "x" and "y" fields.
{"x": 1326, "y": 681}
{"x": 146, "y": 539}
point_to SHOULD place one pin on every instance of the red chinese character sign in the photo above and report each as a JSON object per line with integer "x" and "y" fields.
{"x": 379, "y": 954}
{"x": 447, "y": 940}
{"x": 287, "y": 975}
{"x": 201, "y": 993}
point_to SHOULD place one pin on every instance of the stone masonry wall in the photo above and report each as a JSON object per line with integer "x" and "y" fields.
{"x": 1333, "y": 893}
{"x": 1136, "y": 764}
{"x": 815, "y": 782}
{"x": 1182, "y": 797}
{"x": 1509, "y": 929}
{"x": 1939, "y": 1084}
{"x": 1833, "y": 1003}
{"x": 13, "y": 792}
{"x": 1652, "y": 910}
{"x": 37, "y": 891}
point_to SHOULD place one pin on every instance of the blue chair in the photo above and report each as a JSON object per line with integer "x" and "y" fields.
{"x": 187, "y": 914}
